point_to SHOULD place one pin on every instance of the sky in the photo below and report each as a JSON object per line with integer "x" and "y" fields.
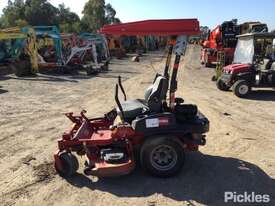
{"x": 209, "y": 12}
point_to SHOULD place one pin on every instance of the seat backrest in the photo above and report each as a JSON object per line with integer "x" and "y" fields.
{"x": 156, "y": 93}
{"x": 266, "y": 64}
{"x": 149, "y": 89}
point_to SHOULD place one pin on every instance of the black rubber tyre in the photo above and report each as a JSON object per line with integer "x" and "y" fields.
{"x": 91, "y": 71}
{"x": 214, "y": 78}
{"x": 162, "y": 156}
{"x": 69, "y": 165}
{"x": 206, "y": 61}
{"x": 21, "y": 69}
{"x": 241, "y": 88}
{"x": 105, "y": 67}
{"x": 66, "y": 69}
{"x": 202, "y": 60}
{"x": 221, "y": 85}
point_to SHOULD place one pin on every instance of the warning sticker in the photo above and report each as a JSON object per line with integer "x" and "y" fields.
{"x": 163, "y": 121}
{"x": 150, "y": 123}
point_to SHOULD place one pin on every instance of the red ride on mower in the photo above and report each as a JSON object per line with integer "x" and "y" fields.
{"x": 161, "y": 131}
{"x": 253, "y": 65}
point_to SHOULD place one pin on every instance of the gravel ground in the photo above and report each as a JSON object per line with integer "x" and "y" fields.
{"x": 238, "y": 156}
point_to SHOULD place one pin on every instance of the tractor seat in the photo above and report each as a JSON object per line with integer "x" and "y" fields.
{"x": 154, "y": 96}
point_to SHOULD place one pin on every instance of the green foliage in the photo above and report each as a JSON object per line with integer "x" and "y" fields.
{"x": 93, "y": 15}
{"x": 13, "y": 12}
{"x": 96, "y": 14}
{"x": 70, "y": 28}
{"x": 110, "y": 14}
{"x": 42, "y": 12}
{"x": 66, "y": 16}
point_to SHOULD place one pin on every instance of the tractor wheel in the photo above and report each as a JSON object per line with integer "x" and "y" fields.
{"x": 241, "y": 88}
{"x": 206, "y": 61}
{"x": 201, "y": 60}
{"x": 221, "y": 85}
{"x": 161, "y": 157}
{"x": 69, "y": 164}
{"x": 22, "y": 68}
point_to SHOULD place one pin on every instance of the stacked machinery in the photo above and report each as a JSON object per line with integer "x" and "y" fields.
{"x": 18, "y": 50}
{"x": 221, "y": 39}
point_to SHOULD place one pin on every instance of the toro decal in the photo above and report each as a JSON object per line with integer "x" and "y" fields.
{"x": 157, "y": 122}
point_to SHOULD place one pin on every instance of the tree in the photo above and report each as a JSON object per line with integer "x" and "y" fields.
{"x": 41, "y": 12}
{"x": 66, "y": 16}
{"x": 110, "y": 14}
{"x": 12, "y": 13}
{"x": 93, "y": 15}
{"x": 68, "y": 21}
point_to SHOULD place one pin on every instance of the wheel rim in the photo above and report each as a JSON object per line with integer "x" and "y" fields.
{"x": 243, "y": 89}
{"x": 163, "y": 157}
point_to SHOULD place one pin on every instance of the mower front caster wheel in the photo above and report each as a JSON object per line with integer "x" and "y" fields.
{"x": 161, "y": 157}
{"x": 68, "y": 164}
{"x": 241, "y": 88}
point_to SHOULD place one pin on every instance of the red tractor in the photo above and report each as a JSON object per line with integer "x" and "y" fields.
{"x": 221, "y": 39}
{"x": 253, "y": 65}
{"x": 161, "y": 131}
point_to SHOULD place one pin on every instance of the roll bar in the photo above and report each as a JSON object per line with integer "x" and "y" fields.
{"x": 121, "y": 87}
{"x": 119, "y": 104}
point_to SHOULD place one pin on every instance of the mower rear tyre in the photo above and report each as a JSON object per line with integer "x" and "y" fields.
{"x": 221, "y": 85}
{"x": 241, "y": 88}
{"x": 162, "y": 156}
{"x": 69, "y": 165}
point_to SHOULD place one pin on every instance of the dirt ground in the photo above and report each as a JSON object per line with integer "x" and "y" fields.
{"x": 239, "y": 154}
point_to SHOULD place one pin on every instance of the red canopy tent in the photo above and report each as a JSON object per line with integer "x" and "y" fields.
{"x": 167, "y": 27}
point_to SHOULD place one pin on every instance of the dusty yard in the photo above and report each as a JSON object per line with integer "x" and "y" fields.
{"x": 239, "y": 155}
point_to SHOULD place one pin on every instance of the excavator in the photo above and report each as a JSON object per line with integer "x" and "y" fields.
{"x": 18, "y": 50}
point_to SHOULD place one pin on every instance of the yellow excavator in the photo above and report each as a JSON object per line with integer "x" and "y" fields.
{"x": 18, "y": 50}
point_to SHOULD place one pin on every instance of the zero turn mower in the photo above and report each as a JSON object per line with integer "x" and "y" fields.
{"x": 162, "y": 131}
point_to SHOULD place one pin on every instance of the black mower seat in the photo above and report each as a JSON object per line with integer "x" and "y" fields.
{"x": 154, "y": 96}
{"x": 133, "y": 108}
